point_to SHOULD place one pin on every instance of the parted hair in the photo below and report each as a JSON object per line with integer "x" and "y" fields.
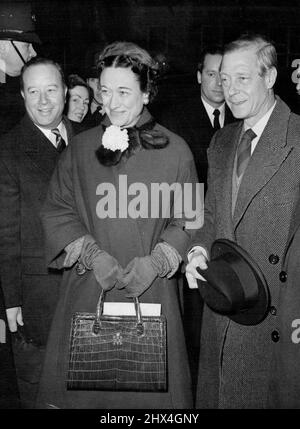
{"x": 265, "y": 50}
{"x": 130, "y": 55}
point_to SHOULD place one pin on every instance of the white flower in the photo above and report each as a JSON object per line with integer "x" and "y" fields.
{"x": 115, "y": 139}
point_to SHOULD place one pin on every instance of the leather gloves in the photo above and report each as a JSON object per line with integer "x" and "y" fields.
{"x": 137, "y": 276}
{"x": 105, "y": 267}
{"x": 141, "y": 272}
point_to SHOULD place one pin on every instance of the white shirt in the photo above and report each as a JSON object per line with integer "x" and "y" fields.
{"x": 259, "y": 127}
{"x": 51, "y": 136}
{"x": 210, "y": 112}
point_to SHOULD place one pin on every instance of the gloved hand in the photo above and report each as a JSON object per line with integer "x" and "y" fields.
{"x": 105, "y": 267}
{"x": 138, "y": 276}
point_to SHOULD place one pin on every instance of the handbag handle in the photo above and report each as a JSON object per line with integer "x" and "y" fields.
{"x": 99, "y": 312}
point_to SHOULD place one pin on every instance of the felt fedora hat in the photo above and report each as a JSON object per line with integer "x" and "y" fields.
{"x": 235, "y": 286}
{"x": 17, "y": 22}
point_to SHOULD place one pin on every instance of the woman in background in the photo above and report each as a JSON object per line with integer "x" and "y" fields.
{"x": 78, "y": 100}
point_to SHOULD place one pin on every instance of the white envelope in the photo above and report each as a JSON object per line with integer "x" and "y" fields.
{"x": 128, "y": 309}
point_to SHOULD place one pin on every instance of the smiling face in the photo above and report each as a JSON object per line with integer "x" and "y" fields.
{"x": 122, "y": 97}
{"x": 78, "y": 104}
{"x": 248, "y": 93}
{"x": 209, "y": 78}
{"x": 44, "y": 95}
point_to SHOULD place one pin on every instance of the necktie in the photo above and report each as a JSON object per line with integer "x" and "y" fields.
{"x": 60, "y": 143}
{"x": 244, "y": 151}
{"x": 216, "y": 114}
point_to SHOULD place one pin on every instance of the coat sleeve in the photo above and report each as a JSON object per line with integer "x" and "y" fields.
{"x": 185, "y": 212}
{"x": 59, "y": 215}
{"x": 10, "y": 230}
{"x": 205, "y": 236}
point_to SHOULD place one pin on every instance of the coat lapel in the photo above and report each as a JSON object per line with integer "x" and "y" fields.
{"x": 270, "y": 152}
{"x": 38, "y": 148}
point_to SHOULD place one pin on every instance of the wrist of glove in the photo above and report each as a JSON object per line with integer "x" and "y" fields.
{"x": 141, "y": 272}
{"x": 105, "y": 267}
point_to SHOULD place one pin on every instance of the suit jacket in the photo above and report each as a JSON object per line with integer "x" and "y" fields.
{"x": 235, "y": 362}
{"x": 27, "y": 161}
{"x": 190, "y": 121}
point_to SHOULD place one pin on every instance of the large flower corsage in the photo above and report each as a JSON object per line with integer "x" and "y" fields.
{"x": 115, "y": 139}
{"x": 120, "y": 143}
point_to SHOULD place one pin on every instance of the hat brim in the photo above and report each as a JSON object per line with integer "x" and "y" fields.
{"x": 28, "y": 37}
{"x": 259, "y": 310}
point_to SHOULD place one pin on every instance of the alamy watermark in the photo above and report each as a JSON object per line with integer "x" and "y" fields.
{"x": 296, "y": 73}
{"x": 157, "y": 200}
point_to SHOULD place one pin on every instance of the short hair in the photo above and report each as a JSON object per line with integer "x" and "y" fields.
{"x": 208, "y": 50}
{"x": 265, "y": 50}
{"x": 41, "y": 61}
{"x": 130, "y": 55}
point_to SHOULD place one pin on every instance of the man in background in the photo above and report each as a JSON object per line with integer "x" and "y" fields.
{"x": 17, "y": 37}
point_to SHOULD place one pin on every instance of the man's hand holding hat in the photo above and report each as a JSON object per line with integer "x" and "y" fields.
{"x": 197, "y": 258}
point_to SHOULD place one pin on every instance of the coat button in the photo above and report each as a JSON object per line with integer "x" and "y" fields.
{"x": 275, "y": 336}
{"x": 273, "y": 310}
{"x": 273, "y": 259}
{"x": 80, "y": 269}
{"x": 282, "y": 276}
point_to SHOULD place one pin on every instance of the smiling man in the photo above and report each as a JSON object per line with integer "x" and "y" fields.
{"x": 252, "y": 189}
{"x": 29, "y": 153}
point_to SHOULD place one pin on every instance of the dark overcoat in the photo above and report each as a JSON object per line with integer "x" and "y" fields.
{"x": 9, "y": 395}
{"x": 191, "y": 122}
{"x": 27, "y": 161}
{"x": 285, "y": 389}
{"x": 70, "y": 211}
{"x": 235, "y": 363}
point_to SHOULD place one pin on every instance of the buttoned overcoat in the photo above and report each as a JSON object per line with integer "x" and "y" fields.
{"x": 72, "y": 210}
{"x": 236, "y": 360}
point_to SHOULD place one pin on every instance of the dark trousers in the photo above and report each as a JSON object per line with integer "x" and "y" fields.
{"x": 193, "y": 309}
{"x": 9, "y": 395}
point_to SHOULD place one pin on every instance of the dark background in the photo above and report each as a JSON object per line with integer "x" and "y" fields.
{"x": 73, "y": 31}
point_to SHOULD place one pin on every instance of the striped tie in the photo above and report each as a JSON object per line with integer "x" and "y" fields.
{"x": 60, "y": 143}
{"x": 244, "y": 151}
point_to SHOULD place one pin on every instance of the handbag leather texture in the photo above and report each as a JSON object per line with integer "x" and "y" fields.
{"x": 122, "y": 353}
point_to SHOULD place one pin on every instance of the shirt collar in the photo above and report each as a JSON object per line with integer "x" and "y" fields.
{"x": 259, "y": 127}
{"x": 50, "y": 136}
{"x": 210, "y": 112}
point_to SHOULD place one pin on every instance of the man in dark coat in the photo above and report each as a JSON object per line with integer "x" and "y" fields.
{"x": 197, "y": 119}
{"x": 194, "y": 120}
{"x": 28, "y": 156}
{"x": 253, "y": 187}
{"x": 16, "y": 38}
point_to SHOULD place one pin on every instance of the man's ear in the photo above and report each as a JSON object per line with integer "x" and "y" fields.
{"x": 22, "y": 93}
{"x": 199, "y": 77}
{"x": 270, "y": 77}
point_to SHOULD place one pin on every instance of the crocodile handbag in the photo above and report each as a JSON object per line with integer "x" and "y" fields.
{"x": 123, "y": 353}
